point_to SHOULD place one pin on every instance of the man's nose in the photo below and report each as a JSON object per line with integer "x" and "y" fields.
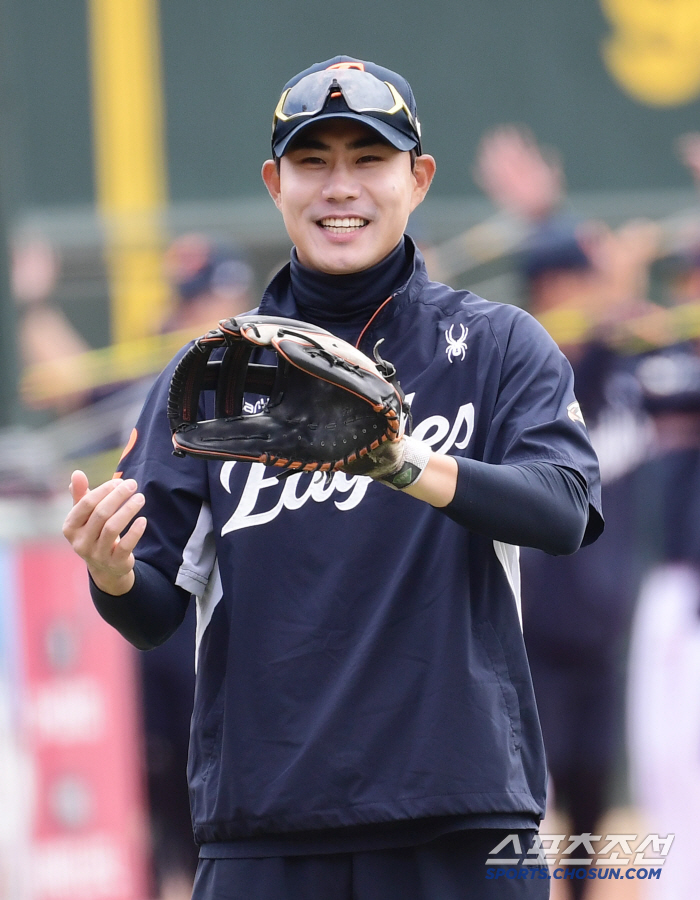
{"x": 341, "y": 184}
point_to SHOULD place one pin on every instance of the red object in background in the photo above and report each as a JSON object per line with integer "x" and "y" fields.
{"x": 89, "y": 836}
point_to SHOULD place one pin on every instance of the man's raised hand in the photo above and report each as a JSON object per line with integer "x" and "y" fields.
{"x": 95, "y": 528}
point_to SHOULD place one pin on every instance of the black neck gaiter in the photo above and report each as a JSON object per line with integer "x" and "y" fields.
{"x": 343, "y": 304}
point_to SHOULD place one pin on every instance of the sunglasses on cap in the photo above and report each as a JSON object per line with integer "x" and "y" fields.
{"x": 363, "y": 94}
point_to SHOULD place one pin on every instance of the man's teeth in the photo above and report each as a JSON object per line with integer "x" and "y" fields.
{"x": 343, "y": 226}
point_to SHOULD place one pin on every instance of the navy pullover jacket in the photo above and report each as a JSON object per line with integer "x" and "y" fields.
{"x": 361, "y": 667}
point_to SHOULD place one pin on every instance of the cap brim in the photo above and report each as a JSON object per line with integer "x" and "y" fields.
{"x": 395, "y": 137}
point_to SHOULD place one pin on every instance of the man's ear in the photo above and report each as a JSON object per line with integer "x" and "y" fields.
{"x": 271, "y": 177}
{"x": 423, "y": 174}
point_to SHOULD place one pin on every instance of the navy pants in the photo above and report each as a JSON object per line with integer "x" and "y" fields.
{"x": 452, "y": 867}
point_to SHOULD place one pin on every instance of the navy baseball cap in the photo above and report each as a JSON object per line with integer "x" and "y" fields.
{"x": 670, "y": 380}
{"x": 348, "y": 88}
{"x": 554, "y": 245}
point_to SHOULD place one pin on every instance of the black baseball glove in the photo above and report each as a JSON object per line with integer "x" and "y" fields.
{"x": 323, "y": 406}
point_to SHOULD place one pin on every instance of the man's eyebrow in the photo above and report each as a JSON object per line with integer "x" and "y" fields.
{"x": 369, "y": 141}
{"x": 304, "y": 143}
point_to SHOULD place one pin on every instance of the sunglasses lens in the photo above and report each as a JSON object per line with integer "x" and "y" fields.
{"x": 366, "y": 92}
{"x": 308, "y": 96}
{"x": 361, "y": 91}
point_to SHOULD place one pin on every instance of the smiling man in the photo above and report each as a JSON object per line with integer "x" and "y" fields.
{"x": 364, "y": 724}
{"x": 347, "y": 194}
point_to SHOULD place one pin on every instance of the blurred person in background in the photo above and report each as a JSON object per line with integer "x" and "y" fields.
{"x": 588, "y": 285}
{"x": 576, "y": 613}
{"x": 681, "y": 267}
{"x": 45, "y": 334}
{"x": 208, "y": 277}
{"x": 210, "y": 280}
{"x": 688, "y": 148}
{"x": 663, "y": 518}
{"x": 167, "y": 677}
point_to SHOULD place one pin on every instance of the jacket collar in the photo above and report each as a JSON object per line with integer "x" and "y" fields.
{"x": 278, "y": 299}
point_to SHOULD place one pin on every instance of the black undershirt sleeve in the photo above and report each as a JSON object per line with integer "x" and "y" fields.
{"x": 539, "y": 505}
{"x": 147, "y": 614}
{"x": 532, "y": 505}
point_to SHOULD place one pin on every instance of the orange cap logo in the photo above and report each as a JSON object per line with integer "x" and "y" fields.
{"x": 348, "y": 65}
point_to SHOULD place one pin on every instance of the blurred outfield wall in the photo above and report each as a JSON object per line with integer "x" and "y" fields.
{"x": 610, "y": 83}
{"x": 472, "y": 64}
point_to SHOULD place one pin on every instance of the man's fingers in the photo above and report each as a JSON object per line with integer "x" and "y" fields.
{"x": 115, "y": 523}
{"x": 94, "y": 524}
{"x": 128, "y": 541}
{"x": 96, "y": 506}
{"x": 98, "y": 541}
{"x": 76, "y": 521}
{"x": 79, "y": 485}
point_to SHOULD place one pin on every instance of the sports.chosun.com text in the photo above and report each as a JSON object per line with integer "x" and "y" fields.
{"x": 562, "y": 857}
{"x": 562, "y": 873}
